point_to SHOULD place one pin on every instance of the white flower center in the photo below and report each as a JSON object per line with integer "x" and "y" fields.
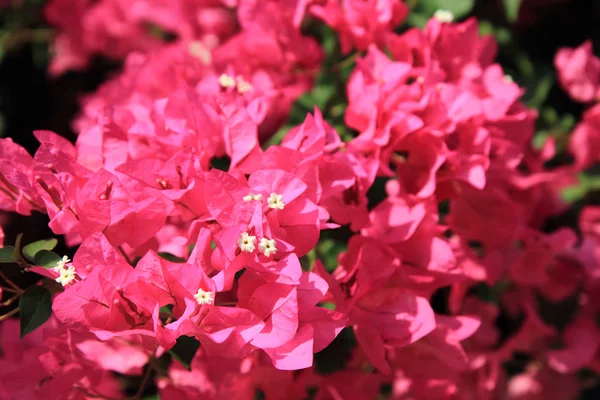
{"x": 203, "y": 297}
{"x": 444, "y": 16}
{"x": 251, "y": 197}
{"x": 198, "y": 50}
{"x": 246, "y": 242}
{"x": 267, "y": 247}
{"x": 62, "y": 263}
{"x": 66, "y": 271}
{"x": 226, "y": 81}
{"x": 276, "y": 201}
{"x": 243, "y": 85}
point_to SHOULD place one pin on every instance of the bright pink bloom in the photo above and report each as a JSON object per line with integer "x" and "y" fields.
{"x": 17, "y": 192}
{"x": 584, "y": 142}
{"x": 581, "y": 343}
{"x": 295, "y": 327}
{"x": 361, "y": 23}
{"x": 382, "y": 311}
{"x": 44, "y": 362}
{"x": 579, "y": 72}
{"x": 538, "y": 383}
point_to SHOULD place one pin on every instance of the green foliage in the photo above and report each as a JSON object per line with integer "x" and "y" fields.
{"x": 511, "y": 9}
{"x": 7, "y": 254}
{"x": 184, "y": 350}
{"x": 460, "y": 8}
{"x": 46, "y": 259}
{"x": 329, "y": 250}
{"x": 32, "y": 249}
{"x": 35, "y": 307}
{"x": 23, "y": 24}
{"x": 553, "y": 125}
{"x": 491, "y": 294}
{"x": 171, "y": 257}
{"x": 540, "y": 88}
{"x": 587, "y": 183}
{"x": 329, "y": 92}
{"x": 423, "y": 10}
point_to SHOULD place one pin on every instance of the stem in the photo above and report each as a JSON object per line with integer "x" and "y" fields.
{"x": 11, "y": 283}
{"x": 145, "y": 379}
{"x": 346, "y": 62}
{"x": 10, "y": 301}
{"x": 9, "y": 314}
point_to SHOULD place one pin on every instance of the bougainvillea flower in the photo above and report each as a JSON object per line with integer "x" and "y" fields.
{"x": 579, "y": 72}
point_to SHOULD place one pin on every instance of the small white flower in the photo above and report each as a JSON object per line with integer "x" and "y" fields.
{"x": 67, "y": 275}
{"x": 508, "y": 79}
{"x": 444, "y": 16}
{"x": 246, "y": 242}
{"x": 203, "y": 297}
{"x": 62, "y": 264}
{"x": 251, "y": 197}
{"x": 267, "y": 247}
{"x": 276, "y": 201}
{"x": 226, "y": 81}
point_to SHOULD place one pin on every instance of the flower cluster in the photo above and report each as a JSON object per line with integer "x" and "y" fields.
{"x": 172, "y": 247}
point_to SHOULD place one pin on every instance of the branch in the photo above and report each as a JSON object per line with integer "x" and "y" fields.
{"x": 11, "y": 283}
{"x": 9, "y": 314}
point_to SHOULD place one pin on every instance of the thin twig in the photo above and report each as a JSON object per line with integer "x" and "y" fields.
{"x": 140, "y": 391}
{"x": 9, "y": 314}
{"x": 147, "y": 374}
{"x": 10, "y": 301}
{"x": 11, "y": 283}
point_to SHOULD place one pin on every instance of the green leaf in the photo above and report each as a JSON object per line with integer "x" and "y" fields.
{"x": 586, "y": 184}
{"x": 171, "y": 257}
{"x": 540, "y": 139}
{"x": 574, "y": 193}
{"x": 184, "y": 350}
{"x": 417, "y": 20}
{"x": 168, "y": 309}
{"x": 7, "y": 254}
{"x": 35, "y": 307}
{"x": 511, "y": 9}
{"x": 329, "y": 250}
{"x": 538, "y": 93}
{"x": 321, "y": 94}
{"x": 460, "y": 8}
{"x": 32, "y": 249}
{"x": 328, "y": 305}
{"x": 277, "y": 138}
{"x": 46, "y": 259}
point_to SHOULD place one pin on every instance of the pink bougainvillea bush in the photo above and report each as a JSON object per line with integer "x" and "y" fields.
{"x": 401, "y": 240}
